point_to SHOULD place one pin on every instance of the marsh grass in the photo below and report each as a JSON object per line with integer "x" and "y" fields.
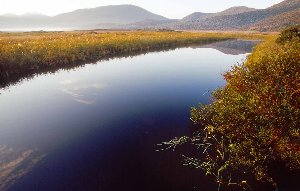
{"x": 32, "y": 52}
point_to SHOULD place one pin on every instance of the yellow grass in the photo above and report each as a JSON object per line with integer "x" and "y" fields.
{"x": 36, "y": 51}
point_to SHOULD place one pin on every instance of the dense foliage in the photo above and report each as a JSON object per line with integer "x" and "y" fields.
{"x": 289, "y": 34}
{"x": 253, "y": 123}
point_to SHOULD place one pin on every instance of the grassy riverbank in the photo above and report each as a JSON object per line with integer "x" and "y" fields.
{"x": 33, "y": 52}
{"x": 251, "y": 129}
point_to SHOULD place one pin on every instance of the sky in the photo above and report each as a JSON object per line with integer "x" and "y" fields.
{"x": 169, "y": 8}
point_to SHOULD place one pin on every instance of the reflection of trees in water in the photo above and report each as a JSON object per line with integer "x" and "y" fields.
{"x": 15, "y": 163}
{"x": 233, "y": 47}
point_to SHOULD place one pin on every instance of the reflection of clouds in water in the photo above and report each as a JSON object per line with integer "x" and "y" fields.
{"x": 87, "y": 86}
{"x": 79, "y": 91}
{"x": 69, "y": 92}
{"x": 87, "y": 102}
{"x": 69, "y": 81}
{"x": 15, "y": 163}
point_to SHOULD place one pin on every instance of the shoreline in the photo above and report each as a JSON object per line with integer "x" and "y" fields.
{"x": 22, "y": 55}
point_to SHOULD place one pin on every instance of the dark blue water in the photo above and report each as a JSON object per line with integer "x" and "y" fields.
{"x": 96, "y": 127}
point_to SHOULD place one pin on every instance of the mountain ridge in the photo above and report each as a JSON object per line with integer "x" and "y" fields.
{"x": 239, "y": 20}
{"x": 83, "y": 18}
{"x": 126, "y": 16}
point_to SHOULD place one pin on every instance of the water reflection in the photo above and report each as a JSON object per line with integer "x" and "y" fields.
{"x": 15, "y": 163}
{"x": 233, "y": 47}
{"x": 9, "y": 79}
{"x": 76, "y": 88}
{"x": 98, "y": 124}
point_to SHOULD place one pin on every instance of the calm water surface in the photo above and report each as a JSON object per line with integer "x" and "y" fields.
{"x": 96, "y": 127}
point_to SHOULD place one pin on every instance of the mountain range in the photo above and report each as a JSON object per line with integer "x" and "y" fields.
{"x": 274, "y": 18}
{"x": 99, "y": 17}
{"x": 244, "y": 18}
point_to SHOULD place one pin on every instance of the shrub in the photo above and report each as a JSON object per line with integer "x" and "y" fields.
{"x": 289, "y": 34}
{"x": 253, "y": 123}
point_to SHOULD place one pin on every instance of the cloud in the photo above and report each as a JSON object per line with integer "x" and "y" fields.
{"x": 69, "y": 81}
{"x": 79, "y": 90}
{"x": 87, "y": 102}
{"x": 71, "y": 93}
{"x": 88, "y": 86}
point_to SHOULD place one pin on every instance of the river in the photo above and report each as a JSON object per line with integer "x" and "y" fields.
{"x": 96, "y": 127}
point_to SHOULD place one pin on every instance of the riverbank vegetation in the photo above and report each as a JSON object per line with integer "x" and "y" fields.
{"x": 252, "y": 126}
{"x": 33, "y": 52}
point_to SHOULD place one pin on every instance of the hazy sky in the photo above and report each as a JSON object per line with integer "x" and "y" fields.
{"x": 167, "y": 8}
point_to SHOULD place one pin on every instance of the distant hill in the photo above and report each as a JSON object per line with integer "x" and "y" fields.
{"x": 235, "y": 10}
{"x": 113, "y": 15}
{"x": 197, "y": 16}
{"x": 273, "y": 18}
{"x": 11, "y": 21}
{"x": 277, "y": 22}
{"x": 242, "y": 18}
{"x": 286, "y": 5}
